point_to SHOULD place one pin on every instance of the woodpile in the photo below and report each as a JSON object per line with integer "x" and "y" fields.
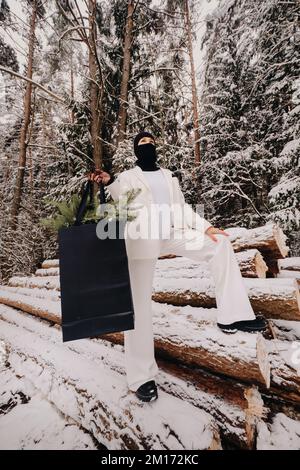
{"x": 101, "y": 405}
{"x": 227, "y": 387}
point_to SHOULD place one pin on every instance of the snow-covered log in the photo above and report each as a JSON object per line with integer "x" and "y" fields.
{"x": 251, "y": 264}
{"x": 96, "y": 397}
{"x": 291, "y": 264}
{"x": 50, "y": 263}
{"x": 251, "y": 366}
{"x": 28, "y": 421}
{"x": 274, "y": 298}
{"x": 47, "y": 282}
{"x": 269, "y": 239}
{"x": 285, "y": 370}
{"x": 47, "y": 272}
{"x": 283, "y": 433}
{"x": 286, "y": 330}
{"x": 237, "y": 408}
{"x": 41, "y": 307}
{"x": 289, "y": 274}
{"x": 192, "y": 341}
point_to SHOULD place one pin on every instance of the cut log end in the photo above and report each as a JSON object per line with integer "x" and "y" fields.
{"x": 263, "y": 359}
{"x": 255, "y": 412}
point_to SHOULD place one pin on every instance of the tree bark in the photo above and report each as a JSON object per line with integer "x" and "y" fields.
{"x": 194, "y": 86}
{"x": 26, "y": 122}
{"x": 125, "y": 73}
{"x": 96, "y": 91}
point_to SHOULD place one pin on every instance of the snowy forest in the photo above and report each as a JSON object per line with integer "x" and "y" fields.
{"x": 217, "y": 83}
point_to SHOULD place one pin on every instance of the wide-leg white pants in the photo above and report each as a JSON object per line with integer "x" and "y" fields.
{"x": 231, "y": 296}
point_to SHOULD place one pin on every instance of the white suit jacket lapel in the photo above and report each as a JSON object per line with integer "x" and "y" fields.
{"x": 167, "y": 174}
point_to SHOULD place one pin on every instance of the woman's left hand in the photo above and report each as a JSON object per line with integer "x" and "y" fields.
{"x": 211, "y": 231}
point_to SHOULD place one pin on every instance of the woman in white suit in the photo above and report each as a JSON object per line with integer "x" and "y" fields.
{"x": 166, "y": 224}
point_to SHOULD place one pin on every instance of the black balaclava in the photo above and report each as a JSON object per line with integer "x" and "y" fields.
{"x": 145, "y": 153}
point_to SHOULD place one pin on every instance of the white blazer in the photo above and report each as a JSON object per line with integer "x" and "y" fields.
{"x": 184, "y": 217}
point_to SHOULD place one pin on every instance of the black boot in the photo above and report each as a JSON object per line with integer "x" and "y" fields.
{"x": 250, "y": 326}
{"x": 147, "y": 391}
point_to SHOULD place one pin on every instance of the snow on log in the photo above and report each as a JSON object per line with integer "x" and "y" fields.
{"x": 47, "y": 272}
{"x": 179, "y": 337}
{"x": 97, "y": 398}
{"x": 286, "y": 330}
{"x": 35, "y": 292}
{"x": 274, "y": 298}
{"x": 291, "y": 264}
{"x": 289, "y": 274}
{"x": 50, "y": 263}
{"x": 41, "y": 307}
{"x": 283, "y": 433}
{"x": 285, "y": 370}
{"x": 28, "y": 421}
{"x": 47, "y": 282}
{"x": 251, "y": 264}
{"x": 190, "y": 340}
{"x": 237, "y": 408}
{"x": 269, "y": 239}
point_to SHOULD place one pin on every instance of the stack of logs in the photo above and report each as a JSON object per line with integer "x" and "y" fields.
{"x": 239, "y": 380}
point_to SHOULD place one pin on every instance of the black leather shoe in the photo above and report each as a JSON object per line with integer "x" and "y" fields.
{"x": 147, "y": 391}
{"x": 249, "y": 326}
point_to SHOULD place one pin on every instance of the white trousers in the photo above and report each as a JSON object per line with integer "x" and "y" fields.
{"x": 231, "y": 297}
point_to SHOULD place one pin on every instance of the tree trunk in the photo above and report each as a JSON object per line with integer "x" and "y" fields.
{"x": 26, "y": 122}
{"x": 194, "y": 87}
{"x": 125, "y": 73}
{"x": 95, "y": 93}
{"x": 72, "y": 116}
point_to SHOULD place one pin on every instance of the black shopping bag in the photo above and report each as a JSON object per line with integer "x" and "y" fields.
{"x": 95, "y": 286}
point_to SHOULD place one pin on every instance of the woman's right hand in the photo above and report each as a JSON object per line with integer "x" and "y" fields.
{"x": 99, "y": 176}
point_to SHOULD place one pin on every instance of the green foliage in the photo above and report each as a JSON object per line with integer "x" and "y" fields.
{"x": 65, "y": 214}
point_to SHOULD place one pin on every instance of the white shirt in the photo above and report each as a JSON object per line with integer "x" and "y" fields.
{"x": 161, "y": 197}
